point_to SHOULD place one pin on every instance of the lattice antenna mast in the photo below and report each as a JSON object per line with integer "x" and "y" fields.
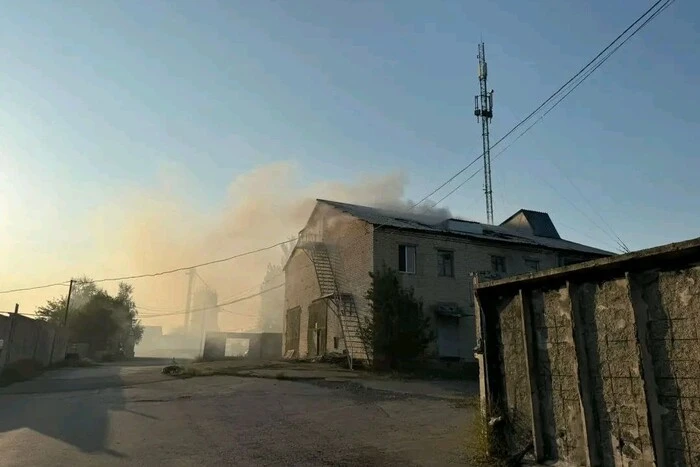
{"x": 483, "y": 109}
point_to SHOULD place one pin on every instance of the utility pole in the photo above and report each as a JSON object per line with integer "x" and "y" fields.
{"x": 188, "y": 303}
{"x": 70, "y": 291}
{"x": 203, "y": 332}
{"x": 483, "y": 109}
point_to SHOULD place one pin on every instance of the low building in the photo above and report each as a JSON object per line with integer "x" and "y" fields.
{"x": 327, "y": 274}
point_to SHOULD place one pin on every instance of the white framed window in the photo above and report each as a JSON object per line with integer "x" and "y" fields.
{"x": 446, "y": 262}
{"x": 407, "y": 259}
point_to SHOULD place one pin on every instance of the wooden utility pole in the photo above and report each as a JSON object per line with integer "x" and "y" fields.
{"x": 70, "y": 291}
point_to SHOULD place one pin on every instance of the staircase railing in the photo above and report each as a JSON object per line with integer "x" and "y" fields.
{"x": 328, "y": 285}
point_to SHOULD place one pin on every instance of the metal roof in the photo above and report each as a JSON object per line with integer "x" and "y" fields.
{"x": 539, "y": 223}
{"x": 498, "y": 233}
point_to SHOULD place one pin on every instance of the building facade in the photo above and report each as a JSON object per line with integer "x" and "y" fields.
{"x": 327, "y": 274}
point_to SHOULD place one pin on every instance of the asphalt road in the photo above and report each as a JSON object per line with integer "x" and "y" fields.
{"x": 132, "y": 415}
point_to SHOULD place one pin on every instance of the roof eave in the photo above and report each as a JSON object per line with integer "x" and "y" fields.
{"x": 601, "y": 253}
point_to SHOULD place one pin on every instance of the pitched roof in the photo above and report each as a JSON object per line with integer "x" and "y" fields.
{"x": 538, "y": 223}
{"x": 526, "y": 233}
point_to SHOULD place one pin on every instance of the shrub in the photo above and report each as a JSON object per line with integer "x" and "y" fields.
{"x": 396, "y": 330}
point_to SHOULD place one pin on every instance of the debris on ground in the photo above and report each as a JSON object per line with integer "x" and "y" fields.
{"x": 335, "y": 358}
{"x": 173, "y": 370}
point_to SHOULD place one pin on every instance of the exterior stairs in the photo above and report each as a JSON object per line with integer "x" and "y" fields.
{"x": 342, "y": 304}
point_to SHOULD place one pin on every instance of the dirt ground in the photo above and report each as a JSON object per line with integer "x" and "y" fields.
{"x": 314, "y": 371}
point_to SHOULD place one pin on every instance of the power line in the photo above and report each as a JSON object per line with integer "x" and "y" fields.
{"x": 202, "y": 279}
{"x": 583, "y": 70}
{"x": 590, "y": 205}
{"x": 556, "y": 93}
{"x": 586, "y": 74}
{"x": 218, "y": 305}
{"x": 160, "y": 273}
{"x": 268, "y": 279}
{"x": 157, "y": 309}
{"x": 617, "y": 239}
{"x": 238, "y": 314}
{"x": 588, "y": 235}
{"x": 46, "y": 286}
{"x": 184, "y": 268}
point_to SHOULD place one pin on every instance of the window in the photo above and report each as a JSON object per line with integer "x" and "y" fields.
{"x": 336, "y": 343}
{"x": 407, "y": 259}
{"x": 532, "y": 265}
{"x": 498, "y": 264}
{"x": 445, "y": 263}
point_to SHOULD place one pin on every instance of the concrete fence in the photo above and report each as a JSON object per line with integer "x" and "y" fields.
{"x": 29, "y": 339}
{"x": 260, "y": 344}
{"x": 597, "y": 363}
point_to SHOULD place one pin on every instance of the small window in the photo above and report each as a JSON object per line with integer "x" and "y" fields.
{"x": 446, "y": 263}
{"x": 498, "y": 264}
{"x": 336, "y": 343}
{"x": 407, "y": 259}
{"x": 532, "y": 265}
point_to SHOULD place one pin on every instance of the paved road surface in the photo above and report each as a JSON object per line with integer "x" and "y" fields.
{"x": 132, "y": 415}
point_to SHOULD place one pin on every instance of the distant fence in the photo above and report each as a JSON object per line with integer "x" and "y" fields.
{"x": 597, "y": 363}
{"x": 29, "y": 339}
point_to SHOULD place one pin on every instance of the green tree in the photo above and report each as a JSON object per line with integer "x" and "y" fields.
{"x": 95, "y": 317}
{"x": 55, "y": 309}
{"x": 396, "y": 330}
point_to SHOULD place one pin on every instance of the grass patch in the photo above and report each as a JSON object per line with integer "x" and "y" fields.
{"x": 478, "y": 444}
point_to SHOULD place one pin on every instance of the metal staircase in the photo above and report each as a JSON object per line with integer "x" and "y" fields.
{"x": 342, "y": 304}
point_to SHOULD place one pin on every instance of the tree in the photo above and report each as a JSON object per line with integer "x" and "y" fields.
{"x": 396, "y": 330}
{"x": 55, "y": 309}
{"x": 95, "y": 317}
{"x": 272, "y": 302}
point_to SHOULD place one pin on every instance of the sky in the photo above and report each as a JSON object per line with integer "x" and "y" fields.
{"x": 116, "y": 113}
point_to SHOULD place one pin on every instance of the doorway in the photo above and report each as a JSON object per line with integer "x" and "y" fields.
{"x": 292, "y": 330}
{"x": 448, "y": 336}
{"x": 316, "y": 336}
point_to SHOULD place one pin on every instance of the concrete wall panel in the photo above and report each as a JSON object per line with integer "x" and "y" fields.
{"x": 29, "y": 339}
{"x": 557, "y": 374}
{"x": 621, "y": 404}
{"x": 517, "y": 389}
{"x": 674, "y": 302}
{"x": 617, "y": 366}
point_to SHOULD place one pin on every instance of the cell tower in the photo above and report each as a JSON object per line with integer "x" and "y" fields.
{"x": 483, "y": 109}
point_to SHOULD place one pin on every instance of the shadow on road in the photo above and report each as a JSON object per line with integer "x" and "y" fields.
{"x": 79, "y": 416}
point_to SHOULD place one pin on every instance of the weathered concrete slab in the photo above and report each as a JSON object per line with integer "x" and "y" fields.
{"x": 618, "y": 357}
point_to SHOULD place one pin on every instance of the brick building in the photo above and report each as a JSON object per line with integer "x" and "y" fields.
{"x": 327, "y": 274}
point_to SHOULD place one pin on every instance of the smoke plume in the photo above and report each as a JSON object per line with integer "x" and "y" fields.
{"x": 149, "y": 230}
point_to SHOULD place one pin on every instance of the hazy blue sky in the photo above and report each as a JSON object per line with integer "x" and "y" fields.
{"x": 100, "y": 94}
